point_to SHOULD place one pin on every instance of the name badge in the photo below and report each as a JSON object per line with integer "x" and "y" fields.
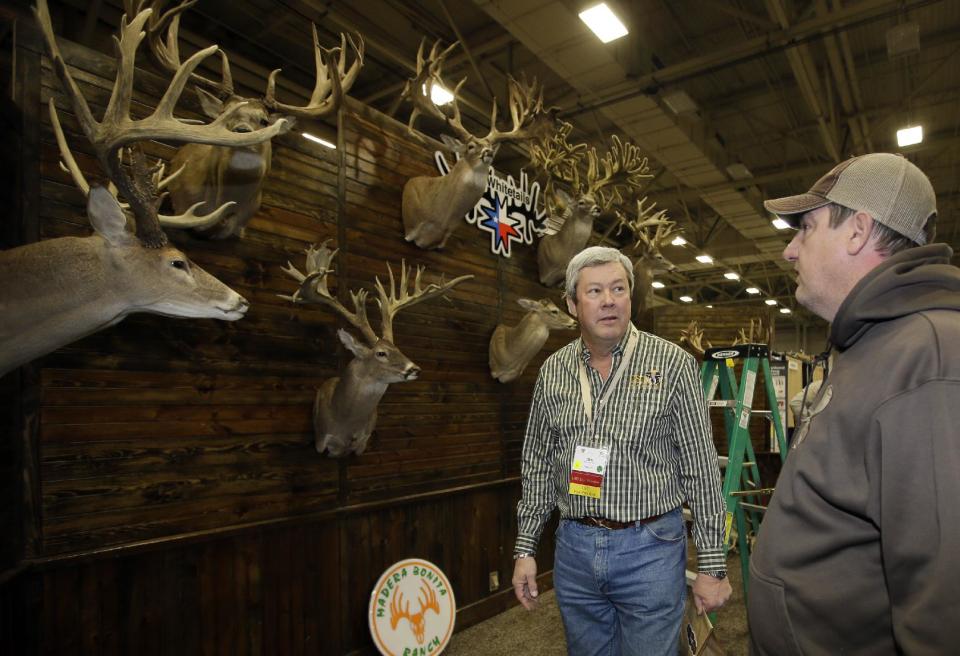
{"x": 589, "y": 468}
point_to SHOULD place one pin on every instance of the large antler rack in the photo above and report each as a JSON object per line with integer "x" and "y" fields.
{"x": 622, "y": 166}
{"x": 650, "y": 227}
{"x": 118, "y": 129}
{"x": 528, "y": 117}
{"x": 391, "y": 303}
{"x": 557, "y": 160}
{"x": 418, "y": 89}
{"x": 313, "y": 289}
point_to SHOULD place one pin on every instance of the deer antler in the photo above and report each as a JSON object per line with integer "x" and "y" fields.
{"x": 529, "y": 119}
{"x": 557, "y": 159}
{"x": 313, "y": 289}
{"x": 117, "y": 129}
{"x": 333, "y": 80}
{"x": 417, "y": 90}
{"x": 693, "y": 335}
{"x": 622, "y": 165}
{"x": 390, "y": 304}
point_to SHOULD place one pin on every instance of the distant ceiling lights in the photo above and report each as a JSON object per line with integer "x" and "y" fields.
{"x": 784, "y": 310}
{"x": 709, "y": 307}
{"x": 780, "y": 224}
{"x": 322, "y": 142}
{"x": 910, "y": 136}
{"x": 770, "y": 301}
{"x": 753, "y": 290}
{"x": 603, "y": 22}
{"x": 686, "y": 299}
{"x": 704, "y": 259}
{"x": 731, "y": 275}
{"x": 439, "y": 94}
{"x": 678, "y": 241}
{"x": 656, "y": 284}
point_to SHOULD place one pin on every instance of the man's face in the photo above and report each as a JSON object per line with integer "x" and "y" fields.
{"x": 818, "y": 255}
{"x": 602, "y": 304}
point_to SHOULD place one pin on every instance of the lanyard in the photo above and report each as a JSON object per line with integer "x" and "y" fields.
{"x": 585, "y": 392}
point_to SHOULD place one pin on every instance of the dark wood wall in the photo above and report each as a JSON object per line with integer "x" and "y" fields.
{"x": 164, "y": 474}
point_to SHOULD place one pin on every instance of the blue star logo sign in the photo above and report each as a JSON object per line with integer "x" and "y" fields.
{"x": 501, "y": 226}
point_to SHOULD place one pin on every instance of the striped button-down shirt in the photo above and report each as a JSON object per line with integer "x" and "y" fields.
{"x": 654, "y": 424}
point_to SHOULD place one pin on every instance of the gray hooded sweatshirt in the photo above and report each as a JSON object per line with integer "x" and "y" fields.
{"x": 859, "y": 552}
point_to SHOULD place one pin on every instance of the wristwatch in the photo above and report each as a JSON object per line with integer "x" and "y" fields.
{"x": 526, "y": 554}
{"x": 719, "y": 574}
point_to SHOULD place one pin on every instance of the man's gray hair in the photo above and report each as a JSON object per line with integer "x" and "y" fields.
{"x": 594, "y": 256}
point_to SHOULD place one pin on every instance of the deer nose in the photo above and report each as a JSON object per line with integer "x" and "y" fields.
{"x": 411, "y": 372}
{"x": 242, "y": 128}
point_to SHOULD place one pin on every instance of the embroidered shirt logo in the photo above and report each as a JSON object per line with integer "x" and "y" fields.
{"x": 652, "y": 379}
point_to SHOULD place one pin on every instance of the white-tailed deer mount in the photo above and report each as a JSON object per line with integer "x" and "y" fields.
{"x": 59, "y": 290}
{"x": 427, "y": 599}
{"x": 650, "y": 230}
{"x": 512, "y": 347}
{"x": 570, "y": 228}
{"x": 693, "y": 335}
{"x": 433, "y": 207}
{"x": 345, "y": 409}
{"x": 758, "y": 333}
{"x": 214, "y": 175}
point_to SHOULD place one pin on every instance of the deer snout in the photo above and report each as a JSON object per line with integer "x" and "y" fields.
{"x": 411, "y": 372}
{"x": 236, "y": 309}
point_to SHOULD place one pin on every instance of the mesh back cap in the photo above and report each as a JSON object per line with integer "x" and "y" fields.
{"x": 886, "y": 186}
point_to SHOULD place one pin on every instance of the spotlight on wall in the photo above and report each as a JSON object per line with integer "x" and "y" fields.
{"x": 604, "y": 23}
{"x": 910, "y": 136}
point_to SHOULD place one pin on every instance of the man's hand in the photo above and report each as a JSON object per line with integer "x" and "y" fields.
{"x": 709, "y": 593}
{"x": 525, "y": 581}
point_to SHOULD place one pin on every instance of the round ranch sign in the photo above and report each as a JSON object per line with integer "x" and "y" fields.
{"x": 412, "y": 609}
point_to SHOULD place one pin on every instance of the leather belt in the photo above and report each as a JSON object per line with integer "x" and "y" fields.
{"x": 613, "y": 524}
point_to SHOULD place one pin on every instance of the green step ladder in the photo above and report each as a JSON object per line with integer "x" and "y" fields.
{"x": 741, "y": 480}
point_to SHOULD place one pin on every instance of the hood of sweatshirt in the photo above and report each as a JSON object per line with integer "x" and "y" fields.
{"x": 914, "y": 280}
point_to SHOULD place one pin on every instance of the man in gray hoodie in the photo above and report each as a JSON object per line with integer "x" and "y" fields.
{"x": 859, "y": 552}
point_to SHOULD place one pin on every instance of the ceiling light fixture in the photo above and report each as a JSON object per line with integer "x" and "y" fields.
{"x": 784, "y": 310}
{"x": 604, "y": 23}
{"x": 322, "y": 142}
{"x": 709, "y": 307}
{"x": 752, "y": 290}
{"x": 704, "y": 259}
{"x": 686, "y": 299}
{"x": 731, "y": 275}
{"x": 910, "y": 136}
{"x": 678, "y": 241}
{"x": 770, "y": 301}
{"x": 656, "y": 284}
{"x": 439, "y": 94}
{"x": 780, "y": 224}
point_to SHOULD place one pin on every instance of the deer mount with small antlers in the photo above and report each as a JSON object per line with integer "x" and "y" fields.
{"x": 214, "y": 175}
{"x": 512, "y": 347}
{"x": 570, "y": 218}
{"x": 345, "y": 408}
{"x": 433, "y": 207}
{"x": 59, "y": 290}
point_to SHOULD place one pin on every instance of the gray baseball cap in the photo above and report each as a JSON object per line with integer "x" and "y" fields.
{"x": 886, "y": 186}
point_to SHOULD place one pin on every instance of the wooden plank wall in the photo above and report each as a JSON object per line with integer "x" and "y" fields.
{"x": 183, "y": 508}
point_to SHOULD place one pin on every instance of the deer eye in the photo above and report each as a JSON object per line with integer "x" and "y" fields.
{"x": 264, "y": 122}
{"x": 180, "y": 264}
{"x": 381, "y": 354}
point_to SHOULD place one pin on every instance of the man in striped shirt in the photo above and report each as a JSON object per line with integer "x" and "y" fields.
{"x": 617, "y": 440}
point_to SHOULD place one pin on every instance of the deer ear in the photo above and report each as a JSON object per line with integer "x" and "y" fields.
{"x": 107, "y": 218}
{"x": 453, "y": 145}
{"x": 209, "y": 103}
{"x": 352, "y": 345}
{"x": 563, "y": 197}
{"x": 528, "y": 304}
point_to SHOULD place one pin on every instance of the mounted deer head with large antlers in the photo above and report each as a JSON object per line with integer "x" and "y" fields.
{"x": 651, "y": 229}
{"x": 345, "y": 409}
{"x": 693, "y": 335}
{"x": 215, "y": 175}
{"x": 433, "y": 207}
{"x": 59, "y": 290}
{"x": 569, "y": 230}
{"x": 512, "y": 347}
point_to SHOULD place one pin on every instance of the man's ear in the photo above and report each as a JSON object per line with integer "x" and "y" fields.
{"x": 571, "y": 307}
{"x": 859, "y": 232}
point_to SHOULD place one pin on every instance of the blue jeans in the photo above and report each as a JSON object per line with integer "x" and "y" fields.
{"x": 622, "y": 592}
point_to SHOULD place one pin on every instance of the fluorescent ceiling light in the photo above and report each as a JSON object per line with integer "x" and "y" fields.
{"x": 678, "y": 241}
{"x": 322, "y": 142}
{"x": 910, "y": 136}
{"x": 603, "y": 22}
{"x": 704, "y": 259}
{"x": 770, "y": 301}
{"x": 780, "y": 224}
{"x": 784, "y": 310}
{"x": 439, "y": 94}
{"x": 753, "y": 290}
{"x": 709, "y": 307}
{"x": 731, "y": 275}
{"x": 656, "y": 284}
{"x": 686, "y": 299}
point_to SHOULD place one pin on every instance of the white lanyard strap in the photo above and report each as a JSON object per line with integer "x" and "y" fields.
{"x": 585, "y": 393}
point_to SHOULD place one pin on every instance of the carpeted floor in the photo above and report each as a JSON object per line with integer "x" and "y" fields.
{"x": 540, "y": 633}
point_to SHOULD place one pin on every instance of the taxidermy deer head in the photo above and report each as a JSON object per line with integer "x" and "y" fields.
{"x": 345, "y": 409}
{"x": 59, "y": 290}
{"x": 433, "y": 207}
{"x": 213, "y": 175}
{"x": 650, "y": 230}
{"x": 570, "y": 218}
{"x": 512, "y": 348}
